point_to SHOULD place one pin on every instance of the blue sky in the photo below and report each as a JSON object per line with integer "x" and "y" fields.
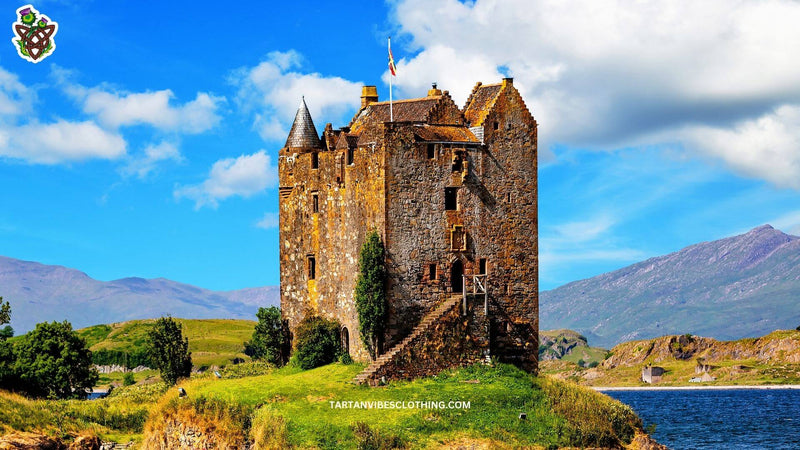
{"x": 146, "y": 144}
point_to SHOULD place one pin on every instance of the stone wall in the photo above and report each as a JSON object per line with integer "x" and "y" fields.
{"x": 454, "y": 340}
{"x": 347, "y": 210}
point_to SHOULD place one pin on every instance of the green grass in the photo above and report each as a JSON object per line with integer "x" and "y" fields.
{"x": 211, "y": 341}
{"x": 300, "y": 401}
{"x": 119, "y": 417}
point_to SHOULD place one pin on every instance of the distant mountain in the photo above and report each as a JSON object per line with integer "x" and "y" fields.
{"x": 742, "y": 286}
{"x": 39, "y": 293}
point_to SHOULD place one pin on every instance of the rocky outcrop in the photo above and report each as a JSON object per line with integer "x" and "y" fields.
{"x": 776, "y": 347}
{"x": 117, "y": 368}
{"x": 25, "y": 441}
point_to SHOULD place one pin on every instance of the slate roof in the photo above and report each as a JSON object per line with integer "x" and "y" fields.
{"x": 303, "y": 134}
{"x": 480, "y": 103}
{"x": 412, "y": 110}
{"x": 444, "y": 133}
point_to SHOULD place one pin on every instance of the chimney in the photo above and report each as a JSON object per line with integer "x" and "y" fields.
{"x": 369, "y": 94}
{"x": 508, "y": 81}
{"x": 434, "y": 91}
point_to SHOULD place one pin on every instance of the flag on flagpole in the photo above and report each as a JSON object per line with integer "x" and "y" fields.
{"x": 392, "y": 67}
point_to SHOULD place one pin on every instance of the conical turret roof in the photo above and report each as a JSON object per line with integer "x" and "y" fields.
{"x": 303, "y": 135}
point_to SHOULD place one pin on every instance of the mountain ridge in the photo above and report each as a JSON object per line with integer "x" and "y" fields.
{"x": 735, "y": 287}
{"x": 39, "y": 292}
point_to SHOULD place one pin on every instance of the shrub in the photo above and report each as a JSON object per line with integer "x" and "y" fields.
{"x": 270, "y": 340}
{"x": 370, "y": 293}
{"x": 128, "y": 379}
{"x": 169, "y": 350}
{"x": 371, "y": 439}
{"x": 593, "y": 364}
{"x": 317, "y": 342}
{"x": 53, "y": 361}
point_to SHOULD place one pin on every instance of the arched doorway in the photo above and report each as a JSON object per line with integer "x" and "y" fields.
{"x": 345, "y": 340}
{"x": 457, "y": 276}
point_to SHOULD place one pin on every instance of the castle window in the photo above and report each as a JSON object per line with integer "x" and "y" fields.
{"x": 458, "y": 161}
{"x": 496, "y": 126}
{"x": 431, "y": 151}
{"x": 432, "y": 272}
{"x": 351, "y": 155}
{"x": 312, "y": 267}
{"x": 315, "y": 160}
{"x": 482, "y": 266}
{"x": 451, "y": 198}
{"x": 315, "y": 202}
{"x": 458, "y": 239}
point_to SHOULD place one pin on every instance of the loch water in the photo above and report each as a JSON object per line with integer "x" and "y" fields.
{"x": 719, "y": 419}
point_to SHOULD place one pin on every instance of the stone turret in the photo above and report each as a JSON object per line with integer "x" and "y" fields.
{"x": 303, "y": 136}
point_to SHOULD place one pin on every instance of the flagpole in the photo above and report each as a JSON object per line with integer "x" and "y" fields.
{"x": 391, "y": 75}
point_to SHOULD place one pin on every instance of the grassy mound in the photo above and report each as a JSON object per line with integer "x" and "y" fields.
{"x": 120, "y": 417}
{"x": 211, "y": 341}
{"x": 292, "y": 408}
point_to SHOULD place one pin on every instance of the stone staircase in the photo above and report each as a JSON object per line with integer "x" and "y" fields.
{"x": 426, "y": 323}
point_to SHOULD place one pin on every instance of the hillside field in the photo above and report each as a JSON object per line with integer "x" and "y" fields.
{"x": 213, "y": 342}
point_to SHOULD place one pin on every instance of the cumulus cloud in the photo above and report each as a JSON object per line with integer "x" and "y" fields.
{"x": 117, "y": 108}
{"x": 275, "y": 87}
{"x": 61, "y": 141}
{"x": 15, "y": 97}
{"x": 269, "y": 221}
{"x": 244, "y": 176}
{"x": 153, "y": 155}
{"x": 606, "y": 77}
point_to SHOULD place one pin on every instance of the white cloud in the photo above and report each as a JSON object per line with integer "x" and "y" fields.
{"x": 152, "y": 156}
{"x": 269, "y": 221}
{"x": 61, "y": 141}
{"x": 15, "y": 97}
{"x": 275, "y": 87}
{"x": 766, "y": 147}
{"x": 607, "y": 76}
{"x": 244, "y": 176}
{"x": 116, "y": 108}
{"x": 582, "y": 231}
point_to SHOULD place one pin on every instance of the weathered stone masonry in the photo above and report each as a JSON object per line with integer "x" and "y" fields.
{"x": 452, "y": 193}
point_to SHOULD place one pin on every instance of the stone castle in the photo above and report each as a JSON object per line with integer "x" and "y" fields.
{"x": 453, "y": 194}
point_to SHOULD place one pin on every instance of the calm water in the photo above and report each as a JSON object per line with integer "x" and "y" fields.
{"x": 719, "y": 419}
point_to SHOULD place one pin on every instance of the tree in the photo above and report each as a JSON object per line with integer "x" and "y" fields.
{"x": 6, "y": 350}
{"x": 270, "y": 339}
{"x": 5, "y": 312}
{"x": 53, "y": 361}
{"x": 317, "y": 342}
{"x": 169, "y": 350}
{"x": 371, "y": 293}
{"x": 6, "y": 332}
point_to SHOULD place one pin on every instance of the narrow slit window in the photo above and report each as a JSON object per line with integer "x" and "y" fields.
{"x": 431, "y": 151}
{"x": 351, "y": 156}
{"x": 496, "y": 125}
{"x": 315, "y": 160}
{"x": 315, "y": 202}
{"x": 450, "y": 199}
{"x": 312, "y": 268}
{"x": 482, "y": 266}
{"x": 432, "y": 272}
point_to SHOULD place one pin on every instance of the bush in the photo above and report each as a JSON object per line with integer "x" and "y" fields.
{"x": 270, "y": 340}
{"x": 53, "y": 361}
{"x": 128, "y": 379}
{"x": 317, "y": 342}
{"x": 371, "y": 439}
{"x": 370, "y": 294}
{"x": 593, "y": 364}
{"x": 169, "y": 350}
